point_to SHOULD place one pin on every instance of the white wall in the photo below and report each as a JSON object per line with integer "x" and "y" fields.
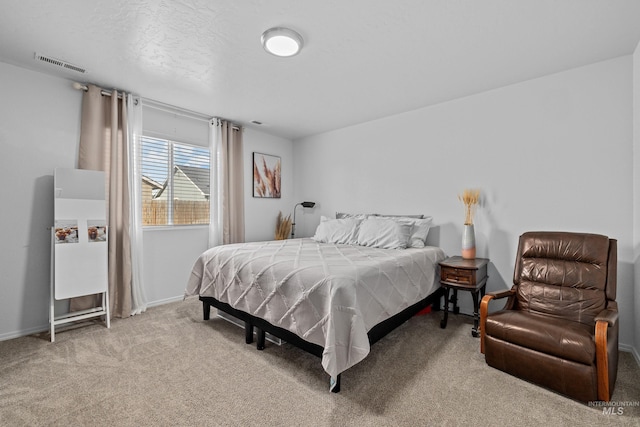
{"x": 39, "y": 131}
{"x": 39, "y": 128}
{"x": 168, "y": 255}
{"x": 261, "y": 214}
{"x": 554, "y": 153}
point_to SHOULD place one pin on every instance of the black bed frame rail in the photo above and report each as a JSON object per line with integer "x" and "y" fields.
{"x": 375, "y": 334}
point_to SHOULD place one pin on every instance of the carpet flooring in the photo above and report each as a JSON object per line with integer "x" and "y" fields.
{"x": 168, "y": 367}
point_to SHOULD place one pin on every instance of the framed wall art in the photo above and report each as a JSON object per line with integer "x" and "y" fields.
{"x": 266, "y": 176}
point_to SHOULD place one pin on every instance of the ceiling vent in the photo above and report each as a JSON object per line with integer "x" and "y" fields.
{"x": 60, "y": 63}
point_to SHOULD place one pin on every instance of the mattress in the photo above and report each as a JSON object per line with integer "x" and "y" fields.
{"x": 327, "y": 294}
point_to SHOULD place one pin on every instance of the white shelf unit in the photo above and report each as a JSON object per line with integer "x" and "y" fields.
{"x": 79, "y": 248}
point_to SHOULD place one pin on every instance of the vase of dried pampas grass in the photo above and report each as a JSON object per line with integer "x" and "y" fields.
{"x": 283, "y": 227}
{"x": 470, "y": 199}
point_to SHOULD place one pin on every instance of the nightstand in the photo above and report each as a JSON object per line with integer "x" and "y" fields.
{"x": 470, "y": 275}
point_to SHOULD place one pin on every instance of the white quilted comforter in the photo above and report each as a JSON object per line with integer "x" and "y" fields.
{"x": 328, "y": 294}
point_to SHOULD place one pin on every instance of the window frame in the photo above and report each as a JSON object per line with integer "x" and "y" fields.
{"x": 170, "y": 184}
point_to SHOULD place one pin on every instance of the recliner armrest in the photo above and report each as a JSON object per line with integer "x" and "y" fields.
{"x": 484, "y": 309}
{"x": 501, "y": 294}
{"x": 607, "y": 315}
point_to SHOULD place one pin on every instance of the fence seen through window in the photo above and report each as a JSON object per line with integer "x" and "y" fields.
{"x": 175, "y": 183}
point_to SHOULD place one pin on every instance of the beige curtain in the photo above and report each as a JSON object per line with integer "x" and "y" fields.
{"x": 103, "y": 146}
{"x": 227, "y": 210}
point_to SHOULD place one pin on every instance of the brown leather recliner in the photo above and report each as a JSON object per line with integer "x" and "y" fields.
{"x": 559, "y": 326}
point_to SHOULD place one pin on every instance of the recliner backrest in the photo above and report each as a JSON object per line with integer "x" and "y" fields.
{"x": 564, "y": 274}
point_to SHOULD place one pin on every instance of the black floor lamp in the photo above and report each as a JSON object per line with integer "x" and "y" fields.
{"x": 293, "y": 224}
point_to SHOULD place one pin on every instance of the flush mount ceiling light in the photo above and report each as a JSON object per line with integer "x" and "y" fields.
{"x": 281, "y": 41}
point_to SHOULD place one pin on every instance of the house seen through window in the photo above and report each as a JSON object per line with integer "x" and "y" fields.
{"x": 175, "y": 183}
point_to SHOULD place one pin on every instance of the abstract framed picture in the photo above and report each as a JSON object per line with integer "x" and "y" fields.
{"x": 267, "y": 175}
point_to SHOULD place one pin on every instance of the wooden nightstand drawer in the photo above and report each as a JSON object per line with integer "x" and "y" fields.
{"x": 458, "y": 275}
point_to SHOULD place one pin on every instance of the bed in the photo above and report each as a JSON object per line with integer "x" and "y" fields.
{"x": 331, "y": 299}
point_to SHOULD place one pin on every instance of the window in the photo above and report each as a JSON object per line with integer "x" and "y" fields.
{"x": 175, "y": 182}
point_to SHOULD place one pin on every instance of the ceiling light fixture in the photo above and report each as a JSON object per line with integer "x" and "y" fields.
{"x": 281, "y": 41}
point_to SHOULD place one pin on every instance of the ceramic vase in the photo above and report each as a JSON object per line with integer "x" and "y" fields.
{"x": 468, "y": 242}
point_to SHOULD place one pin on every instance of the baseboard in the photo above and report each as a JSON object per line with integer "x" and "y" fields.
{"x": 165, "y": 301}
{"x": 23, "y": 332}
{"x": 45, "y": 328}
{"x": 632, "y": 350}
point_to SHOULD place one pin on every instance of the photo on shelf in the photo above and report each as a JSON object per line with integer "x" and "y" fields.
{"x": 96, "y": 230}
{"x": 66, "y": 231}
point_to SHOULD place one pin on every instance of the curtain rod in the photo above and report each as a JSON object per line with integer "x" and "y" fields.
{"x": 160, "y": 106}
{"x": 103, "y": 92}
{"x": 181, "y": 111}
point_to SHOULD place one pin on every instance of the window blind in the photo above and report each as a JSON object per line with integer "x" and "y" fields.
{"x": 175, "y": 169}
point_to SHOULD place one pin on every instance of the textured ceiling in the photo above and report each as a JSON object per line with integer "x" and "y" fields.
{"x": 362, "y": 59}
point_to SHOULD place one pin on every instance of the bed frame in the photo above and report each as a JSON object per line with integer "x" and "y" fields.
{"x": 262, "y": 326}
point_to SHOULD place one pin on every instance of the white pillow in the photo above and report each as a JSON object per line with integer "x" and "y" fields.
{"x": 419, "y": 229}
{"x": 342, "y": 215}
{"x": 384, "y": 233}
{"x": 343, "y": 231}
